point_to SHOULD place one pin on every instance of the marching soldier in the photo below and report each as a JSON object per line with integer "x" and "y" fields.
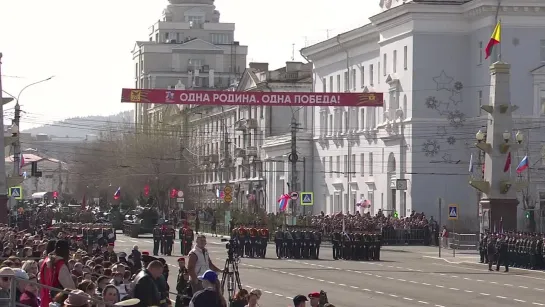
{"x": 297, "y": 244}
{"x": 156, "y": 240}
{"x": 491, "y": 251}
{"x": 481, "y": 248}
{"x": 189, "y": 236}
{"x": 288, "y": 244}
{"x": 305, "y": 250}
{"x": 264, "y": 238}
{"x": 181, "y": 237}
{"x": 279, "y": 242}
{"x": 336, "y": 244}
{"x": 252, "y": 243}
{"x": 317, "y": 242}
{"x": 501, "y": 249}
{"x": 242, "y": 237}
{"x": 169, "y": 240}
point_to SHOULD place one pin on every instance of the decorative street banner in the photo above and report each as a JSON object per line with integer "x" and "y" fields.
{"x": 162, "y": 96}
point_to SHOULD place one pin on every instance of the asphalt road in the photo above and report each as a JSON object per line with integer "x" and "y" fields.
{"x": 405, "y": 276}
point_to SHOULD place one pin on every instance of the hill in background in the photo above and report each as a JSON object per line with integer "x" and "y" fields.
{"x": 80, "y": 127}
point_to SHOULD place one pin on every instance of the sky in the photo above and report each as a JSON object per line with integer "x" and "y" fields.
{"x": 87, "y": 46}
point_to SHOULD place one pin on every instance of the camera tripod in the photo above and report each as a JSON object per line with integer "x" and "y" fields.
{"x": 231, "y": 276}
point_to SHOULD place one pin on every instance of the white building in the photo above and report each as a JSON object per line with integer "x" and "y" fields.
{"x": 55, "y": 175}
{"x": 255, "y": 135}
{"x": 188, "y": 48}
{"x": 427, "y": 57}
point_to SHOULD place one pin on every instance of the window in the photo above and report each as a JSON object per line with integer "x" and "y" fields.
{"x": 166, "y": 36}
{"x": 371, "y": 75}
{"x": 338, "y": 166}
{"x": 362, "y": 164}
{"x": 346, "y": 121}
{"x": 542, "y": 50}
{"x": 330, "y": 124}
{"x": 480, "y": 53}
{"x": 219, "y": 38}
{"x": 331, "y": 84}
{"x": 362, "y": 76}
{"x": 394, "y": 63}
{"x": 353, "y": 166}
{"x": 370, "y": 164}
{"x": 324, "y": 85}
{"x": 362, "y": 119}
{"x": 345, "y": 171}
{"x": 195, "y": 19}
{"x": 353, "y": 78}
{"x": 405, "y": 57}
{"x": 338, "y": 83}
{"x": 378, "y": 73}
{"x": 346, "y": 81}
{"x": 542, "y": 101}
{"x": 195, "y": 64}
{"x": 480, "y": 100}
{"x": 384, "y": 64}
{"x": 330, "y": 167}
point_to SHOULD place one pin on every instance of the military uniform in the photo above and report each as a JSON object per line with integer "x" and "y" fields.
{"x": 279, "y": 242}
{"x": 156, "y": 240}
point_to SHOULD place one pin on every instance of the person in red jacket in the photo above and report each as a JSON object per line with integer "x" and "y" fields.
{"x": 55, "y": 273}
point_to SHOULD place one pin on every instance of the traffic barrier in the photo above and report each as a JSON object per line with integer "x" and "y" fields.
{"x": 464, "y": 241}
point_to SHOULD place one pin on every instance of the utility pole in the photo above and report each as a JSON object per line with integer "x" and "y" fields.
{"x": 16, "y": 151}
{"x": 293, "y": 158}
{"x": 3, "y": 183}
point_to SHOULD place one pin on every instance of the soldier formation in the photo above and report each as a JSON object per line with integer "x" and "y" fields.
{"x": 363, "y": 246}
{"x": 517, "y": 249}
{"x": 250, "y": 241}
{"x": 297, "y": 243}
{"x": 163, "y": 239}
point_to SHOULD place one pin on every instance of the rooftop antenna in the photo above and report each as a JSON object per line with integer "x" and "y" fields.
{"x": 293, "y": 52}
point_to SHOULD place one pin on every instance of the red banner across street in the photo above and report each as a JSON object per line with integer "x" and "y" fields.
{"x": 162, "y": 96}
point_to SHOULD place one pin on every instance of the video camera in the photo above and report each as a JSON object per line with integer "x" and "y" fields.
{"x": 231, "y": 247}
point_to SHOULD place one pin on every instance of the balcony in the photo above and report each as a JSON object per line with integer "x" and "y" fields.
{"x": 240, "y": 153}
{"x": 251, "y": 151}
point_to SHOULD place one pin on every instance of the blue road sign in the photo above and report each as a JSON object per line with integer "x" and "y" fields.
{"x": 16, "y": 192}
{"x": 307, "y": 198}
{"x": 453, "y": 212}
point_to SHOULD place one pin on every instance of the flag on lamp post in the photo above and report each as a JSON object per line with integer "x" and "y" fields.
{"x": 507, "y": 166}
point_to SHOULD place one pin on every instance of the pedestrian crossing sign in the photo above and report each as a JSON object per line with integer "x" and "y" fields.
{"x": 453, "y": 212}
{"x": 307, "y": 198}
{"x": 16, "y": 192}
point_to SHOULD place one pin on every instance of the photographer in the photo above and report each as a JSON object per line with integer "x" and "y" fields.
{"x": 199, "y": 262}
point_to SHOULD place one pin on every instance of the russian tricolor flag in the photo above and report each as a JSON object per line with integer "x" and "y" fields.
{"x": 524, "y": 164}
{"x": 283, "y": 202}
{"x": 117, "y": 193}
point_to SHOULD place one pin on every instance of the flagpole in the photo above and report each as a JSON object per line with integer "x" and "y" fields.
{"x": 499, "y": 47}
{"x": 498, "y": 21}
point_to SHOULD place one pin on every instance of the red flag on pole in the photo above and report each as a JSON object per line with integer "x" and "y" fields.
{"x": 507, "y": 163}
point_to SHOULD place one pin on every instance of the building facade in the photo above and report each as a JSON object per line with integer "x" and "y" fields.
{"x": 188, "y": 48}
{"x": 55, "y": 175}
{"x": 247, "y": 146}
{"x": 428, "y": 59}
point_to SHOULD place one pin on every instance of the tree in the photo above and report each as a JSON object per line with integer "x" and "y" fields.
{"x": 130, "y": 161}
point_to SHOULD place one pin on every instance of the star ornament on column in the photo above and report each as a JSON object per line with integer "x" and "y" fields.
{"x": 443, "y": 81}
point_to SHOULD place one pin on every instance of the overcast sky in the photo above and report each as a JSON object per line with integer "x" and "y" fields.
{"x": 86, "y": 45}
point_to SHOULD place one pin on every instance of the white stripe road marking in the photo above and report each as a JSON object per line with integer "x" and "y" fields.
{"x": 120, "y": 241}
{"x": 517, "y": 300}
{"x": 539, "y": 304}
{"x": 499, "y": 296}
{"x": 422, "y": 302}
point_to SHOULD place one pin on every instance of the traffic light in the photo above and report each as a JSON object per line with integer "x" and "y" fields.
{"x": 146, "y": 190}
{"x": 396, "y": 215}
{"x": 527, "y": 214}
{"x": 55, "y": 194}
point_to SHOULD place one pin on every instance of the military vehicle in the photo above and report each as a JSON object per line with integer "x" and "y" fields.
{"x": 139, "y": 221}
